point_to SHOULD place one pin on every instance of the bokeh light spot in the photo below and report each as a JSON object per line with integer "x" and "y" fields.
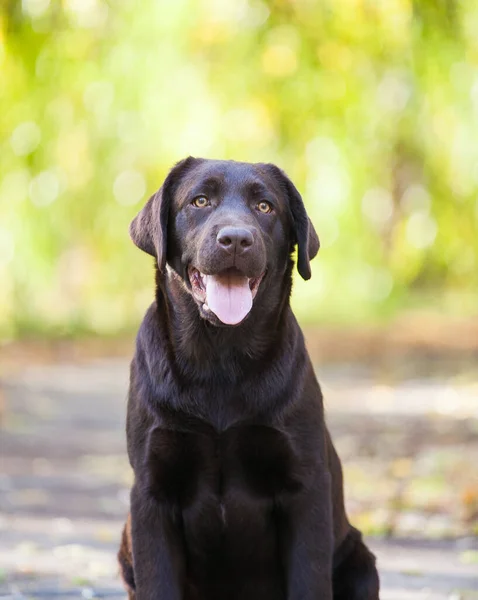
{"x": 279, "y": 60}
{"x": 421, "y": 230}
{"x": 44, "y": 188}
{"x": 382, "y": 285}
{"x": 330, "y": 184}
{"x": 416, "y": 198}
{"x": 87, "y": 13}
{"x": 377, "y": 206}
{"x": 328, "y": 230}
{"x": 98, "y": 96}
{"x": 35, "y": 8}
{"x": 25, "y": 138}
{"x": 322, "y": 148}
{"x": 394, "y": 92}
{"x": 129, "y": 187}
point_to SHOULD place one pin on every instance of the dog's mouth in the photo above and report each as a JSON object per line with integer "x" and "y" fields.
{"x": 228, "y": 294}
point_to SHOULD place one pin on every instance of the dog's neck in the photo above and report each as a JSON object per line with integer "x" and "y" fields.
{"x": 197, "y": 346}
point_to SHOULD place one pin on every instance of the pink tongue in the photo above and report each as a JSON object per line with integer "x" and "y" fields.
{"x": 229, "y": 297}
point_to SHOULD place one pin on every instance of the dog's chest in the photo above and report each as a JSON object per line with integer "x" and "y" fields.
{"x": 257, "y": 460}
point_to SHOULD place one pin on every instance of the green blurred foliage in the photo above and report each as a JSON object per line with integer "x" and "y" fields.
{"x": 370, "y": 106}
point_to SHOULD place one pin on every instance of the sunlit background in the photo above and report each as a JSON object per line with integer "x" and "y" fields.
{"x": 371, "y": 107}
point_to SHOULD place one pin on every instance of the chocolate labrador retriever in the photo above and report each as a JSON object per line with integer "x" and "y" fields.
{"x": 238, "y": 488}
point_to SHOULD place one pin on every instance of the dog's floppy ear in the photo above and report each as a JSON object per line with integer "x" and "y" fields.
{"x": 149, "y": 229}
{"x": 305, "y": 235}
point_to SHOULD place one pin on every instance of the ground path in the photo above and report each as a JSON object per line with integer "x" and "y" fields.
{"x": 409, "y": 442}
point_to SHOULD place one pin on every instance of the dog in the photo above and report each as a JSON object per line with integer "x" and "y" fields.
{"x": 238, "y": 489}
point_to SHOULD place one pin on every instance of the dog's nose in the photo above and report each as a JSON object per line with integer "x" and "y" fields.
{"x": 235, "y": 239}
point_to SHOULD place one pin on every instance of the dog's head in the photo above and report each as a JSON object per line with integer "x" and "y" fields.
{"x": 226, "y": 228}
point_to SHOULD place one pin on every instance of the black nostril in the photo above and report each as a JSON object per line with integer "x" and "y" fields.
{"x": 224, "y": 240}
{"x": 235, "y": 238}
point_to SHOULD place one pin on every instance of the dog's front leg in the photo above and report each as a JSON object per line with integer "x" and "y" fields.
{"x": 307, "y": 542}
{"x": 158, "y": 555}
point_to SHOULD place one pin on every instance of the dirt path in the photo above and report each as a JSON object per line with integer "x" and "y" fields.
{"x": 409, "y": 444}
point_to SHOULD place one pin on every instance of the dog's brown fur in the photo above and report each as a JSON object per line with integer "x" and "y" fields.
{"x": 125, "y": 558}
{"x": 238, "y": 490}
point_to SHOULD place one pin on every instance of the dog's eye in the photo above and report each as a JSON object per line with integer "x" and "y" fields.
{"x": 200, "y": 202}
{"x": 264, "y": 207}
